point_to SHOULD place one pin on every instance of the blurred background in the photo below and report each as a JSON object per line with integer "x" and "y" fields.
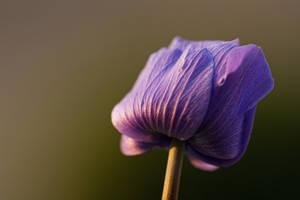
{"x": 65, "y": 64}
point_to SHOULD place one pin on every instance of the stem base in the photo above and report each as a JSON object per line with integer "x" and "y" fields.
{"x": 173, "y": 171}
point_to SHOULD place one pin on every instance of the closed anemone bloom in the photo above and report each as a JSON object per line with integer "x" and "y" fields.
{"x": 203, "y": 93}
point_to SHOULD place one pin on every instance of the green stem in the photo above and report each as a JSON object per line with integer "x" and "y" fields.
{"x": 173, "y": 172}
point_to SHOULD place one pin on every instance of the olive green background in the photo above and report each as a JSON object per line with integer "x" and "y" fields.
{"x": 65, "y": 64}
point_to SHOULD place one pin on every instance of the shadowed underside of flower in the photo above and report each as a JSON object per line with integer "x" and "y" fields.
{"x": 204, "y": 93}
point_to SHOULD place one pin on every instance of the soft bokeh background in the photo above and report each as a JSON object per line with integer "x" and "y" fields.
{"x": 65, "y": 64}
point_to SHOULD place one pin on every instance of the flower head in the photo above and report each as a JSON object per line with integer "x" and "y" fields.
{"x": 204, "y": 93}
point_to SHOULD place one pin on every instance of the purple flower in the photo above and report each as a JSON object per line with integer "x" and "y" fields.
{"x": 204, "y": 93}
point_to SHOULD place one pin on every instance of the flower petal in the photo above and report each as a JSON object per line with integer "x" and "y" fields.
{"x": 157, "y": 64}
{"x": 168, "y": 103}
{"x": 218, "y": 48}
{"x": 247, "y": 67}
{"x": 131, "y": 147}
{"x": 127, "y": 116}
{"x": 211, "y": 45}
{"x": 224, "y": 145}
{"x": 239, "y": 84}
{"x": 241, "y": 81}
{"x": 200, "y": 164}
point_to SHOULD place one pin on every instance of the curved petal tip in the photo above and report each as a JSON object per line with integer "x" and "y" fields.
{"x": 202, "y": 165}
{"x": 131, "y": 147}
{"x": 236, "y": 41}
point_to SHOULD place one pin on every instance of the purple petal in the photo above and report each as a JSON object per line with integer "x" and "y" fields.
{"x": 196, "y": 162}
{"x": 240, "y": 82}
{"x": 224, "y": 145}
{"x": 157, "y": 64}
{"x": 128, "y": 116}
{"x": 131, "y": 147}
{"x": 211, "y": 45}
{"x": 166, "y": 101}
{"x": 218, "y": 49}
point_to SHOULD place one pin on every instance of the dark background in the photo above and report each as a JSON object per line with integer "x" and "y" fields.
{"x": 65, "y": 64}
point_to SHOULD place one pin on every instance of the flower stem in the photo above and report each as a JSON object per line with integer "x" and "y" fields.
{"x": 173, "y": 172}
